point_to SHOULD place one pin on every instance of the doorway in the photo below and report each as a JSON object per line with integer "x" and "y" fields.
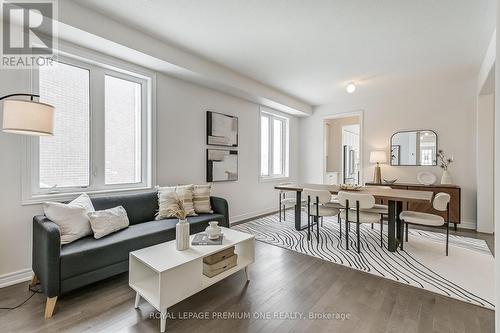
{"x": 342, "y": 150}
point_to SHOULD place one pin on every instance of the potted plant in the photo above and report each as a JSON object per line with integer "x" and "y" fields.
{"x": 444, "y": 163}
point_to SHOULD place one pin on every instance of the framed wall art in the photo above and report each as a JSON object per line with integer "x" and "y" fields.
{"x": 222, "y": 165}
{"x": 222, "y": 129}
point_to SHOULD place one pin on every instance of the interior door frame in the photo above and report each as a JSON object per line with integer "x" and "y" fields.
{"x": 360, "y": 114}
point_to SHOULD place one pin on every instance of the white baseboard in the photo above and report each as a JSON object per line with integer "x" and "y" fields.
{"x": 15, "y": 277}
{"x": 467, "y": 225}
{"x": 238, "y": 218}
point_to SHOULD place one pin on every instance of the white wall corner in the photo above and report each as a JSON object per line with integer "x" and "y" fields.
{"x": 488, "y": 63}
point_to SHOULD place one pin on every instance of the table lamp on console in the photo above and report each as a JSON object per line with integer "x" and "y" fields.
{"x": 378, "y": 156}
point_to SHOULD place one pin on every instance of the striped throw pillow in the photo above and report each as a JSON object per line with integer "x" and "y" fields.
{"x": 201, "y": 199}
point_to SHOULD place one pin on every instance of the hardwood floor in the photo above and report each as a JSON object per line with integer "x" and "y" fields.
{"x": 282, "y": 282}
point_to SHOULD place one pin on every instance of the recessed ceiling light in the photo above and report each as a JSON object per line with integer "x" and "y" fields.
{"x": 350, "y": 88}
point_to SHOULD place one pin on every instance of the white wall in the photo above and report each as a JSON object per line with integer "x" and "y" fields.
{"x": 181, "y": 137}
{"x": 15, "y": 220}
{"x": 446, "y": 107}
{"x": 485, "y": 162}
{"x": 182, "y": 132}
{"x": 497, "y": 173}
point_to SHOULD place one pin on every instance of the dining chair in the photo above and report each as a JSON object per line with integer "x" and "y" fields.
{"x": 317, "y": 209}
{"x": 440, "y": 203}
{"x": 286, "y": 202}
{"x": 356, "y": 211}
{"x": 334, "y": 203}
{"x": 380, "y": 209}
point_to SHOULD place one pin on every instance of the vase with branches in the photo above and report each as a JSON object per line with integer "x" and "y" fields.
{"x": 182, "y": 227}
{"x": 444, "y": 163}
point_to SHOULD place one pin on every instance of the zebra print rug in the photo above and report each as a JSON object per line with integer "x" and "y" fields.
{"x": 467, "y": 274}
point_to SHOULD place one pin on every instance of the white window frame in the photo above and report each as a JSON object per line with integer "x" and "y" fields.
{"x": 285, "y": 146}
{"x": 99, "y": 67}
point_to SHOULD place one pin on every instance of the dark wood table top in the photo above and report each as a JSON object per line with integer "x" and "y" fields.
{"x": 379, "y": 193}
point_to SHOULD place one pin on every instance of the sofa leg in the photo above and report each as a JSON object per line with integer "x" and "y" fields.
{"x": 49, "y": 307}
{"x": 34, "y": 281}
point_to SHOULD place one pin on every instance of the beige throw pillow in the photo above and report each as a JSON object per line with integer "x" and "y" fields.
{"x": 71, "y": 218}
{"x": 105, "y": 222}
{"x": 201, "y": 199}
{"x": 167, "y": 197}
{"x": 167, "y": 203}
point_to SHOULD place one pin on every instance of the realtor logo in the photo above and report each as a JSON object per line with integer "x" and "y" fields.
{"x": 28, "y": 34}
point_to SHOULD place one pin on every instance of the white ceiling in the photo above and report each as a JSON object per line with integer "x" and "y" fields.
{"x": 311, "y": 49}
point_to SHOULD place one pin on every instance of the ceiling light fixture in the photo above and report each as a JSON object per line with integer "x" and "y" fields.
{"x": 350, "y": 88}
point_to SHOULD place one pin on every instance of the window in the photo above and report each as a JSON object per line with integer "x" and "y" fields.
{"x": 102, "y": 140}
{"x": 122, "y": 131}
{"x": 64, "y": 157}
{"x": 273, "y": 146}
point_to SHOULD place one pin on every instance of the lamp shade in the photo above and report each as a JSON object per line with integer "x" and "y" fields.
{"x": 28, "y": 117}
{"x": 378, "y": 156}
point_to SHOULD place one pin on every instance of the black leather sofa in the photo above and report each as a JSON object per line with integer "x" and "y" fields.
{"x": 60, "y": 269}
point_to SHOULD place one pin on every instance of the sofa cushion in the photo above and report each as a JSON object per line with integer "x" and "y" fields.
{"x": 71, "y": 218}
{"x": 140, "y": 207}
{"x": 168, "y": 201}
{"x": 88, "y": 254}
{"x": 105, "y": 222}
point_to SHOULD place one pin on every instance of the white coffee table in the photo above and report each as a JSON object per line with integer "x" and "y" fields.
{"x": 164, "y": 276}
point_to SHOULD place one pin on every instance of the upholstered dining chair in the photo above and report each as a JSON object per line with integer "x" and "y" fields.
{"x": 440, "y": 203}
{"x": 317, "y": 209}
{"x": 286, "y": 202}
{"x": 356, "y": 210}
{"x": 334, "y": 203}
{"x": 380, "y": 209}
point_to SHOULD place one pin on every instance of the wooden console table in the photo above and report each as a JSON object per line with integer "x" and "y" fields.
{"x": 453, "y": 190}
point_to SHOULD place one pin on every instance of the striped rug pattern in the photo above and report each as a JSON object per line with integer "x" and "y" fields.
{"x": 402, "y": 266}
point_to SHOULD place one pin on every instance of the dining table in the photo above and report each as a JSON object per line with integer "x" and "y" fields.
{"x": 395, "y": 199}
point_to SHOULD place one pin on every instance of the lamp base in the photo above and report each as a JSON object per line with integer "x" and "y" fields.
{"x": 377, "y": 175}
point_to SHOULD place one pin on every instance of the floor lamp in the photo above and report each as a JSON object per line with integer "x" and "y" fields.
{"x": 27, "y": 117}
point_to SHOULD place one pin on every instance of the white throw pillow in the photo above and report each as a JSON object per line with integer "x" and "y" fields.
{"x": 201, "y": 199}
{"x": 105, "y": 222}
{"x": 71, "y": 218}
